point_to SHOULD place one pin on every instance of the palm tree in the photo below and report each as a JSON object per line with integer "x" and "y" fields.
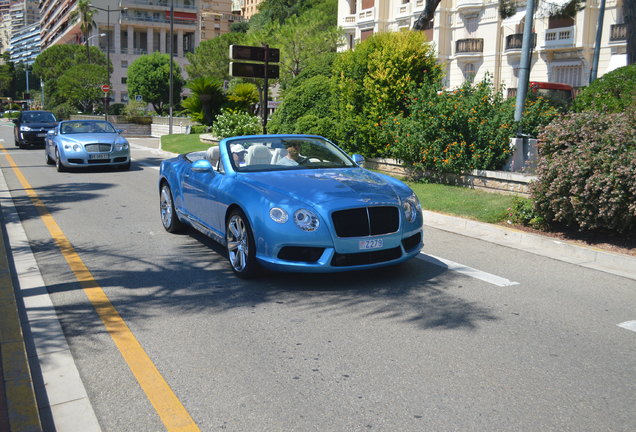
{"x": 85, "y": 13}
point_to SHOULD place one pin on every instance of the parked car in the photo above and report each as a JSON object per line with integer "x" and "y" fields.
{"x": 291, "y": 203}
{"x": 86, "y": 143}
{"x": 31, "y": 127}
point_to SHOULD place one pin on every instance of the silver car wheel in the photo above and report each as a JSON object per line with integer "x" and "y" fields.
{"x": 237, "y": 243}
{"x": 169, "y": 218}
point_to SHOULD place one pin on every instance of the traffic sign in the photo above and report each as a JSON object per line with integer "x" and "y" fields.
{"x": 105, "y": 88}
{"x": 253, "y": 53}
{"x": 253, "y": 70}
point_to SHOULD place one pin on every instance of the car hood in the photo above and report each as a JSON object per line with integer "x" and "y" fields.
{"x": 93, "y": 138}
{"x": 349, "y": 186}
{"x": 39, "y": 125}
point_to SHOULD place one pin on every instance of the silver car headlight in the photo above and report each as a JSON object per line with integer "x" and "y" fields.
{"x": 412, "y": 207}
{"x": 121, "y": 147}
{"x": 278, "y": 215}
{"x": 306, "y": 220}
{"x": 74, "y": 147}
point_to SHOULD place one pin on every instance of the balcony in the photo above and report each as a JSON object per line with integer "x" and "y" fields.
{"x": 618, "y": 32}
{"x": 179, "y": 4}
{"x": 366, "y": 14}
{"x": 469, "y": 48}
{"x": 559, "y": 38}
{"x": 468, "y": 7}
{"x": 348, "y": 21}
{"x": 514, "y": 42}
{"x": 403, "y": 10}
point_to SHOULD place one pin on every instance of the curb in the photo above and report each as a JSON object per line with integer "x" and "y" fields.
{"x": 618, "y": 264}
{"x": 22, "y": 408}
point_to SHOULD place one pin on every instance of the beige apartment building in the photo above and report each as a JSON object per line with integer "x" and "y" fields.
{"x": 472, "y": 40}
{"x": 128, "y": 29}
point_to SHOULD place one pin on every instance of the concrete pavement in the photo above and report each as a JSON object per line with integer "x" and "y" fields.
{"x": 19, "y": 408}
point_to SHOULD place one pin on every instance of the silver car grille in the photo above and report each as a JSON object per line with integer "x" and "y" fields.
{"x": 94, "y": 148}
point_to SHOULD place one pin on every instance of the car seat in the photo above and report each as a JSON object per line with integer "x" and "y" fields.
{"x": 258, "y": 154}
{"x": 212, "y": 154}
{"x": 278, "y": 154}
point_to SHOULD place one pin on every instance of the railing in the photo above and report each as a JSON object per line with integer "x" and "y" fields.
{"x": 559, "y": 37}
{"x": 515, "y": 41}
{"x": 469, "y": 46}
{"x": 366, "y": 14}
{"x": 618, "y": 32}
{"x": 163, "y": 3}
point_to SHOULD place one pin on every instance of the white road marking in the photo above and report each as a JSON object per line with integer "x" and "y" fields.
{"x": 629, "y": 325}
{"x": 468, "y": 271}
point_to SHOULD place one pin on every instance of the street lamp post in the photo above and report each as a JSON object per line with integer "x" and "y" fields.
{"x": 108, "y": 10}
{"x": 87, "y": 43}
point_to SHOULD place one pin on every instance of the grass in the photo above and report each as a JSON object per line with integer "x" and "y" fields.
{"x": 455, "y": 200}
{"x": 181, "y": 143}
{"x": 460, "y": 201}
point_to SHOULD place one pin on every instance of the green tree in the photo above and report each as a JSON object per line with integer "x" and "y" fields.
{"x": 85, "y": 13}
{"x": 211, "y": 58}
{"x": 51, "y": 63}
{"x": 242, "y": 96}
{"x": 81, "y": 85}
{"x": 7, "y": 79}
{"x": 374, "y": 80}
{"x": 206, "y": 100}
{"x": 149, "y": 76}
{"x": 613, "y": 92}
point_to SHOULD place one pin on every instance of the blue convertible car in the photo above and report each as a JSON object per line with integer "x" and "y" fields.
{"x": 291, "y": 203}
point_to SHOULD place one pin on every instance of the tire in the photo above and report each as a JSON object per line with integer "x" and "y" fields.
{"x": 18, "y": 144}
{"x": 241, "y": 249}
{"x": 48, "y": 159}
{"x": 58, "y": 163}
{"x": 169, "y": 218}
{"x": 125, "y": 167}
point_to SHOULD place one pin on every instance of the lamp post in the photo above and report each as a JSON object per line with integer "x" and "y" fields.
{"x": 87, "y": 43}
{"x": 108, "y": 10}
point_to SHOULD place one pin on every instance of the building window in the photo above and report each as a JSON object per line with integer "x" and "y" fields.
{"x": 570, "y": 74}
{"x": 364, "y": 34}
{"x": 124, "y": 64}
{"x": 124, "y": 79}
{"x": 469, "y": 72}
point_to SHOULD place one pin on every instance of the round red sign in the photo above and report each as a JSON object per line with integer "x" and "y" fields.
{"x": 105, "y": 88}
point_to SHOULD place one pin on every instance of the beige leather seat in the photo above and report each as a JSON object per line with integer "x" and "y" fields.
{"x": 212, "y": 154}
{"x": 258, "y": 154}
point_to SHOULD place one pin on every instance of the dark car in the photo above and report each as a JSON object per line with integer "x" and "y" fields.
{"x": 31, "y": 127}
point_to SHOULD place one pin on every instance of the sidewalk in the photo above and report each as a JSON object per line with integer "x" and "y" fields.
{"x": 18, "y": 405}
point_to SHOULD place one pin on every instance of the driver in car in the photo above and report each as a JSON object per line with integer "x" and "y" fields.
{"x": 293, "y": 156}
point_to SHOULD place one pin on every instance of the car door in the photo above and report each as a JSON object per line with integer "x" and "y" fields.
{"x": 200, "y": 197}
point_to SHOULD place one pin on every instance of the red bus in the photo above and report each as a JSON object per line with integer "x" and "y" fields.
{"x": 559, "y": 94}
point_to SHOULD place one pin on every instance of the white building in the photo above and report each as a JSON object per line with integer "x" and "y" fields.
{"x": 25, "y": 44}
{"x": 472, "y": 40}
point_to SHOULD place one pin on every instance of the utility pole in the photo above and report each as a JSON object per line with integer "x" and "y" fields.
{"x": 526, "y": 62}
{"x": 597, "y": 45}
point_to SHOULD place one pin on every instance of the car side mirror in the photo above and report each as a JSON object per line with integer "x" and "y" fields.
{"x": 202, "y": 165}
{"x": 358, "y": 159}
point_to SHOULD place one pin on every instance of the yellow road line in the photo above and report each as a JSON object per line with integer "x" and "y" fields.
{"x": 171, "y": 411}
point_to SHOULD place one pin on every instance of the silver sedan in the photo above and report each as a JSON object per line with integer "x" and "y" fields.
{"x": 86, "y": 143}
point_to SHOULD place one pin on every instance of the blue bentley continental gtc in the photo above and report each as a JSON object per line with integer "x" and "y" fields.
{"x": 293, "y": 203}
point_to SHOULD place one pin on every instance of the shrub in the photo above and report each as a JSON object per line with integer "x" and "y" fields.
{"x": 116, "y": 109}
{"x": 522, "y": 211}
{"x": 63, "y": 111}
{"x": 229, "y": 123}
{"x": 199, "y": 129}
{"x": 613, "y": 92}
{"x": 587, "y": 171}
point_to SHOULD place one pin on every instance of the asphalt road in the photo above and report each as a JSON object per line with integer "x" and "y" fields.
{"x": 517, "y": 342}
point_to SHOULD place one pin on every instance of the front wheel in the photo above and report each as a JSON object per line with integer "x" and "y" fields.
{"x": 241, "y": 250}
{"x": 58, "y": 162}
{"x": 49, "y": 160}
{"x": 169, "y": 218}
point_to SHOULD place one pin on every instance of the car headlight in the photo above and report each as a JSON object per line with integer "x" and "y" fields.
{"x": 306, "y": 220}
{"x": 25, "y": 128}
{"x": 121, "y": 146}
{"x": 74, "y": 147}
{"x": 412, "y": 207}
{"x": 278, "y": 215}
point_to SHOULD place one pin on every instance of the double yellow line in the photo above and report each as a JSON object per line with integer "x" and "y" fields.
{"x": 171, "y": 411}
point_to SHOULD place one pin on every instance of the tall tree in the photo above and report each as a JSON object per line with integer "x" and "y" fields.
{"x": 81, "y": 85}
{"x": 211, "y": 58}
{"x": 149, "y": 77}
{"x": 85, "y": 12}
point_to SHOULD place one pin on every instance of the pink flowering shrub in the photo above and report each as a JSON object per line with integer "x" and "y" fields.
{"x": 587, "y": 171}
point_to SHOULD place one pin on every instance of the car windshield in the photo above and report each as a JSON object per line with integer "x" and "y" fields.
{"x": 285, "y": 153}
{"x": 79, "y": 127}
{"x": 38, "y": 117}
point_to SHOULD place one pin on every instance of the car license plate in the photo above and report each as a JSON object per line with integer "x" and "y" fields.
{"x": 98, "y": 156}
{"x": 371, "y": 244}
{"x": 41, "y": 135}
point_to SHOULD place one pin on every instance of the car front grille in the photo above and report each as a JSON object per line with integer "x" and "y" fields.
{"x": 366, "y": 221}
{"x": 94, "y": 148}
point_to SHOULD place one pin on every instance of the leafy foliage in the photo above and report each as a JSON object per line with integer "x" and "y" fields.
{"x": 149, "y": 76}
{"x": 613, "y": 92}
{"x": 80, "y": 85}
{"x": 587, "y": 171}
{"x": 235, "y": 123}
{"x": 242, "y": 96}
{"x": 206, "y": 100}
{"x": 211, "y": 58}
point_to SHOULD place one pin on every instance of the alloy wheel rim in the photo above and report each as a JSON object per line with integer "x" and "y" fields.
{"x": 166, "y": 207}
{"x": 237, "y": 245}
